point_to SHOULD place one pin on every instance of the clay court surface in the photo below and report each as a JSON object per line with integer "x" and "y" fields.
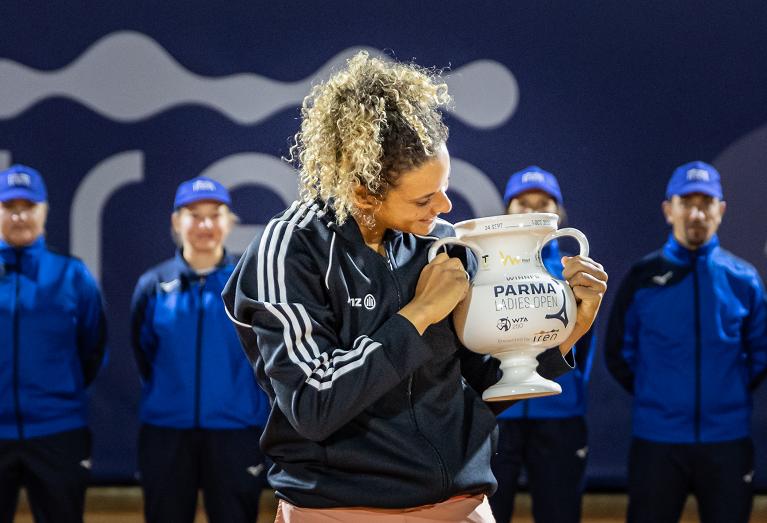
{"x": 123, "y": 505}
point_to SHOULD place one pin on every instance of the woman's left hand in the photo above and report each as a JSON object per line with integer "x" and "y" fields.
{"x": 588, "y": 281}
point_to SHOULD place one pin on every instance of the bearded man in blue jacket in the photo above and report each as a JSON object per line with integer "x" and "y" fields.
{"x": 52, "y": 335}
{"x": 687, "y": 338}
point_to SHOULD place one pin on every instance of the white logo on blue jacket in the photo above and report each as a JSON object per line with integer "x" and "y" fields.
{"x": 662, "y": 279}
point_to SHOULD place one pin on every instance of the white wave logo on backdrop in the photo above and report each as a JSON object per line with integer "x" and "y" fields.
{"x": 128, "y": 77}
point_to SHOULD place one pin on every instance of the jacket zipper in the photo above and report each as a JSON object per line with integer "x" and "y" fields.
{"x": 696, "y": 302}
{"x": 16, "y": 398}
{"x": 442, "y": 468}
{"x": 391, "y": 265}
{"x": 198, "y": 354}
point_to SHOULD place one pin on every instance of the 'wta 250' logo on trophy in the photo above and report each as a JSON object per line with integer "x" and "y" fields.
{"x": 514, "y": 311}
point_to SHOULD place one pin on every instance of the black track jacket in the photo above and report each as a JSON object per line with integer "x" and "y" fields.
{"x": 365, "y": 411}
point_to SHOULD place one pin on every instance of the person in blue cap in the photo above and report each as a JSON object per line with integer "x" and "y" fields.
{"x": 52, "y": 340}
{"x": 202, "y": 411}
{"x": 545, "y": 436}
{"x": 687, "y": 337}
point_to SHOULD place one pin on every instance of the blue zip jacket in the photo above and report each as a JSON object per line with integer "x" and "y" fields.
{"x": 572, "y": 401}
{"x": 52, "y": 339}
{"x": 194, "y": 371}
{"x": 688, "y": 337}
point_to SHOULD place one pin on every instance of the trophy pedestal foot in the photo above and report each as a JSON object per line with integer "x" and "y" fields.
{"x": 520, "y": 380}
{"x": 519, "y": 391}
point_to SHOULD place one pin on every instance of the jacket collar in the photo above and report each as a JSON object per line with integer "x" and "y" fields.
{"x": 684, "y": 256}
{"x": 350, "y": 229}
{"x": 22, "y": 259}
{"x": 186, "y": 271}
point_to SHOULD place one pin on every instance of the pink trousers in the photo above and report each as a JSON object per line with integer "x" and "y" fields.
{"x": 459, "y": 509}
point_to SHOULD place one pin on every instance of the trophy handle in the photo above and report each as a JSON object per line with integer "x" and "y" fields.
{"x": 583, "y": 243}
{"x": 437, "y": 245}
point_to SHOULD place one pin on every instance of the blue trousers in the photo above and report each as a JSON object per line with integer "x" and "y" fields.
{"x": 226, "y": 464}
{"x": 553, "y": 452}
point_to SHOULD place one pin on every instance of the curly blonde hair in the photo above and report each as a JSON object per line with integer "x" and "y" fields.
{"x": 366, "y": 125}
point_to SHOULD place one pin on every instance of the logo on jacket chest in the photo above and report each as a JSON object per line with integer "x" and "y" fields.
{"x": 170, "y": 286}
{"x": 662, "y": 279}
{"x": 368, "y": 302}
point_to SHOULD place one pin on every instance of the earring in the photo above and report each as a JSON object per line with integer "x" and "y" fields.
{"x": 368, "y": 221}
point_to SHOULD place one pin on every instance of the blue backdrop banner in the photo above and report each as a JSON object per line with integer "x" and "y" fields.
{"x": 117, "y": 102}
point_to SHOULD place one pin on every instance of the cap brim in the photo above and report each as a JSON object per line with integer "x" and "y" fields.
{"x": 701, "y": 188}
{"x": 199, "y": 198}
{"x": 20, "y": 193}
{"x": 531, "y": 186}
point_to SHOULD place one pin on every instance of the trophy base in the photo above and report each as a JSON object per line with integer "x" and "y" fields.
{"x": 506, "y": 392}
{"x": 520, "y": 380}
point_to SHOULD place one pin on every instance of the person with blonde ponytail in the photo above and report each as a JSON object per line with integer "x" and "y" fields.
{"x": 376, "y": 406}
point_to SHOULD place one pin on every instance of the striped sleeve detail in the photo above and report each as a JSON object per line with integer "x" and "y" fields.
{"x": 321, "y": 369}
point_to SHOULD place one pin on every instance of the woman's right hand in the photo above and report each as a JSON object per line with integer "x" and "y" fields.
{"x": 442, "y": 285}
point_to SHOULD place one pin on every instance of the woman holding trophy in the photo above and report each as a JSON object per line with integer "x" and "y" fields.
{"x": 376, "y": 407}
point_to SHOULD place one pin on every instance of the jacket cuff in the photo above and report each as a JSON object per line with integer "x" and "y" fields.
{"x": 551, "y": 363}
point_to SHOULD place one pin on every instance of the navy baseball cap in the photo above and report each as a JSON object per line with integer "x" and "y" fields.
{"x": 694, "y": 177}
{"x": 201, "y": 188}
{"x": 22, "y": 182}
{"x": 532, "y": 178}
